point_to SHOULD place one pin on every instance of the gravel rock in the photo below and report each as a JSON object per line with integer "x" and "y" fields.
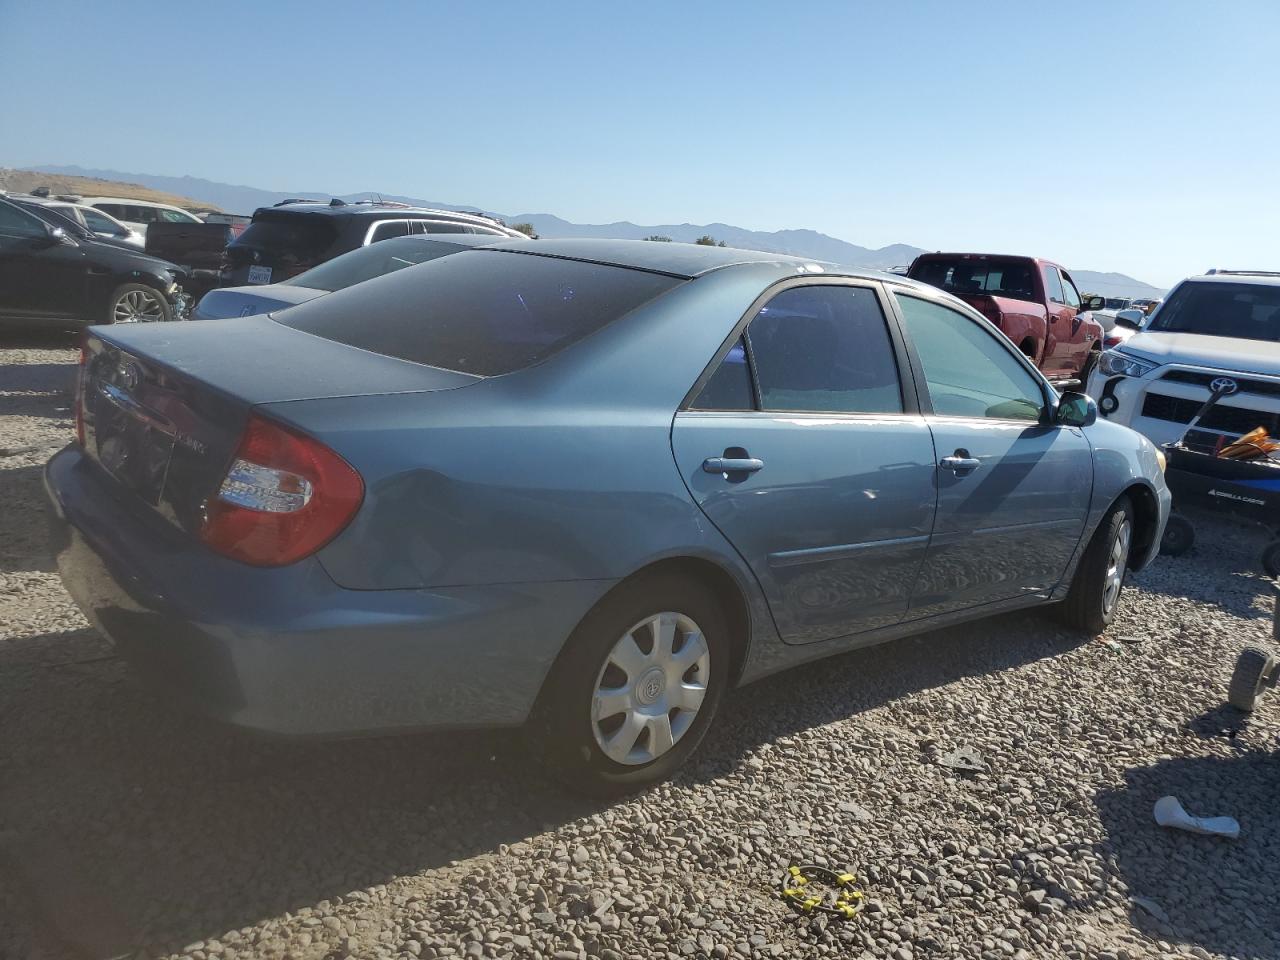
{"x": 127, "y": 827}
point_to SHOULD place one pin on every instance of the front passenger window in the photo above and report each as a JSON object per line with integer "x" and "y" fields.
{"x": 969, "y": 373}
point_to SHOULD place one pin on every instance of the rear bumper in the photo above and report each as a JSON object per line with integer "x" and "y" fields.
{"x": 286, "y": 651}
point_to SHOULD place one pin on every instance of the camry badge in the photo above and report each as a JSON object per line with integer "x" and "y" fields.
{"x": 1224, "y": 386}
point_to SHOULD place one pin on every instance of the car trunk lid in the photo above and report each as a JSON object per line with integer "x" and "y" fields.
{"x": 163, "y": 408}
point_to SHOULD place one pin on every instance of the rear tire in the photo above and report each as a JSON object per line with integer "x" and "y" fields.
{"x": 1271, "y": 559}
{"x": 1179, "y": 536}
{"x": 137, "y": 303}
{"x": 1098, "y": 585}
{"x": 655, "y": 694}
{"x": 1253, "y": 668}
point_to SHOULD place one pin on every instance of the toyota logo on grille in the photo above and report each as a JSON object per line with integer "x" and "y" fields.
{"x": 1224, "y": 385}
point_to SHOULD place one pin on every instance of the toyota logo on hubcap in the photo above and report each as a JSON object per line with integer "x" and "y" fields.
{"x": 1224, "y": 385}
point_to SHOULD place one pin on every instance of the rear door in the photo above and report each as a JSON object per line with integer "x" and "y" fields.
{"x": 807, "y": 453}
{"x": 1058, "y": 349}
{"x": 1080, "y": 333}
{"x": 1013, "y": 492}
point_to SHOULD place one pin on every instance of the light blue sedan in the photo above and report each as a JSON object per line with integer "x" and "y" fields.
{"x": 584, "y": 486}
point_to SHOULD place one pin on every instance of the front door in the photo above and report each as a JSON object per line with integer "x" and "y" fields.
{"x": 40, "y": 277}
{"x": 805, "y": 452}
{"x": 1013, "y": 492}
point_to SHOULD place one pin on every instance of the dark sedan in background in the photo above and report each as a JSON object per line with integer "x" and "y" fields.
{"x": 55, "y": 272}
{"x": 581, "y": 485}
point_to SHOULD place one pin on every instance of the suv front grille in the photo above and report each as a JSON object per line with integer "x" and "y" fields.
{"x": 1158, "y": 406}
{"x": 1246, "y": 385}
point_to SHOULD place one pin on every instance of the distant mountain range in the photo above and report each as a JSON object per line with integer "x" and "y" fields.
{"x": 803, "y": 243}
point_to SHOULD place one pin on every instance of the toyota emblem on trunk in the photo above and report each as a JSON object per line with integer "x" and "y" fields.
{"x": 1223, "y": 385}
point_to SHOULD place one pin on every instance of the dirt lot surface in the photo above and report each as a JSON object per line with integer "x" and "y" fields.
{"x": 130, "y": 830}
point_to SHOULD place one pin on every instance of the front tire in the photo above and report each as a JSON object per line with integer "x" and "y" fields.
{"x": 138, "y": 303}
{"x": 636, "y": 687}
{"x": 1095, "y": 593}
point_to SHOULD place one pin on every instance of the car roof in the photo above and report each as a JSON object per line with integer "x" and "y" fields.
{"x": 1261, "y": 277}
{"x": 372, "y": 208}
{"x": 684, "y": 260}
{"x": 89, "y": 201}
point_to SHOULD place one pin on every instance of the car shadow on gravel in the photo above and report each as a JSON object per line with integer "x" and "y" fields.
{"x": 1207, "y": 888}
{"x": 136, "y": 826}
{"x": 25, "y": 544}
{"x": 15, "y": 338}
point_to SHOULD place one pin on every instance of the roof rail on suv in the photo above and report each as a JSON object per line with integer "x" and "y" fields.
{"x": 1218, "y": 271}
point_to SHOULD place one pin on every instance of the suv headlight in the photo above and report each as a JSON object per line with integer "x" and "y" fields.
{"x": 1117, "y": 363}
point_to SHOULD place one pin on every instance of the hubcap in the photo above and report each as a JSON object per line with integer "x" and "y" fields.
{"x": 650, "y": 688}
{"x": 137, "y": 306}
{"x": 1117, "y": 561}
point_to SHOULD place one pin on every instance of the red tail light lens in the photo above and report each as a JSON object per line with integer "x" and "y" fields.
{"x": 284, "y": 497}
{"x": 80, "y": 371}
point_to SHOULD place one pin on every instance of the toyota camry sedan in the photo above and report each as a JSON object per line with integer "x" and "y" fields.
{"x": 582, "y": 486}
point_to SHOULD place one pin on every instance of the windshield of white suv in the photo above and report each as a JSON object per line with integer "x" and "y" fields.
{"x": 1247, "y": 311}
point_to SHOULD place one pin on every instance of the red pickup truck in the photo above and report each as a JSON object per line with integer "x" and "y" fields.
{"x": 1033, "y": 301}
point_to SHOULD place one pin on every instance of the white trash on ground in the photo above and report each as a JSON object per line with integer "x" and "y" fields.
{"x": 1169, "y": 812}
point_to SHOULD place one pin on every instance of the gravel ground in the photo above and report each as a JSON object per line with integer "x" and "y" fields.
{"x": 129, "y": 830}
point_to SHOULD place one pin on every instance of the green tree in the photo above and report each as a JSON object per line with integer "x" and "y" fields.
{"x": 526, "y": 229}
{"x": 659, "y": 238}
{"x": 706, "y": 240}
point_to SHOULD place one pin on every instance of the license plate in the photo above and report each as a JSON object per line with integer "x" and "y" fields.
{"x": 259, "y": 274}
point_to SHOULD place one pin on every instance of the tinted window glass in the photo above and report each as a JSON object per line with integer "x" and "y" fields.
{"x": 16, "y": 223}
{"x": 174, "y": 216}
{"x": 98, "y": 223}
{"x": 968, "y": 371}
{"x": 444, "y": 226}
{"x": 292, "y": 237}
{"x": 1250, "y": 311}
{"x": 480, "y": 312}
{"x": 998, "y": 277}
{"x": 730, "y": 386}
{"x": 372, "y": 261}
{"x": 388, "y": 229}
{"x": 114, "y": 209}
{"x": 1052, "y": 285}
{"x": 1070, "y": 292}
{"x": 824, "y": 349}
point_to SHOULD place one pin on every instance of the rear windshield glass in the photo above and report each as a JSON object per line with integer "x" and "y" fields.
{"x": 480, "y": 312}
{"x": 1245, "y": 310}
{"x": 372, "y": 261}
{"x": 1000, "y": 278}
{"x": 291, "y": 235}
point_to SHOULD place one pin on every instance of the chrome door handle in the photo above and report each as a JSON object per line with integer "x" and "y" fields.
{"x": 959, "y": 463}
{"x": 732, "y": 464}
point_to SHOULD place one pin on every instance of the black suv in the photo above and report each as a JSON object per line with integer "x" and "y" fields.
{"x": 52, "y": 270}
{"x": 296, "y": 235}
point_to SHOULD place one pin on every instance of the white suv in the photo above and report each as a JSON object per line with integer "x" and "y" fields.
{"x": 1214, "y": 333}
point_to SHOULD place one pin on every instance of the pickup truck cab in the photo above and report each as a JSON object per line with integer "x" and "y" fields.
{"x": 1034, "y": 302}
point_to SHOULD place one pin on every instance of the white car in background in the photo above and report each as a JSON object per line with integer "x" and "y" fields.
{"x": 138, "y": 214}
{"x": 1216, "y": 333}
{"x": 99, "y": 223}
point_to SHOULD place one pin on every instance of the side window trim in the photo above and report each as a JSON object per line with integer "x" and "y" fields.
{"x": 917, "y": 368}
{"x": 908, "y": 379}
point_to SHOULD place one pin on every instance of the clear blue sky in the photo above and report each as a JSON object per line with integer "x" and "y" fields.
{"x": 1139, "y": 137}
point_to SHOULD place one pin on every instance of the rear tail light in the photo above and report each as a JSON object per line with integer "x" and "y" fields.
{"x": 1112, "y": 341}
{"x": 80, "y": 372}
{"x": 284, "y": 497}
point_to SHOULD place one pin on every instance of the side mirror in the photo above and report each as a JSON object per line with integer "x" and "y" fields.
{"x": 1076, "y": 410}
{"x": 1131, "y": 318}
{"x": 1094, "y": 303}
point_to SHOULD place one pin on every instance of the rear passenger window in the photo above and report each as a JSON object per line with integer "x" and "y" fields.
{"x": 388, "y": 229}
{"x": 445, "y": 226}
{"x": 730, "y": 386}
{"x": 824, "y": 349}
